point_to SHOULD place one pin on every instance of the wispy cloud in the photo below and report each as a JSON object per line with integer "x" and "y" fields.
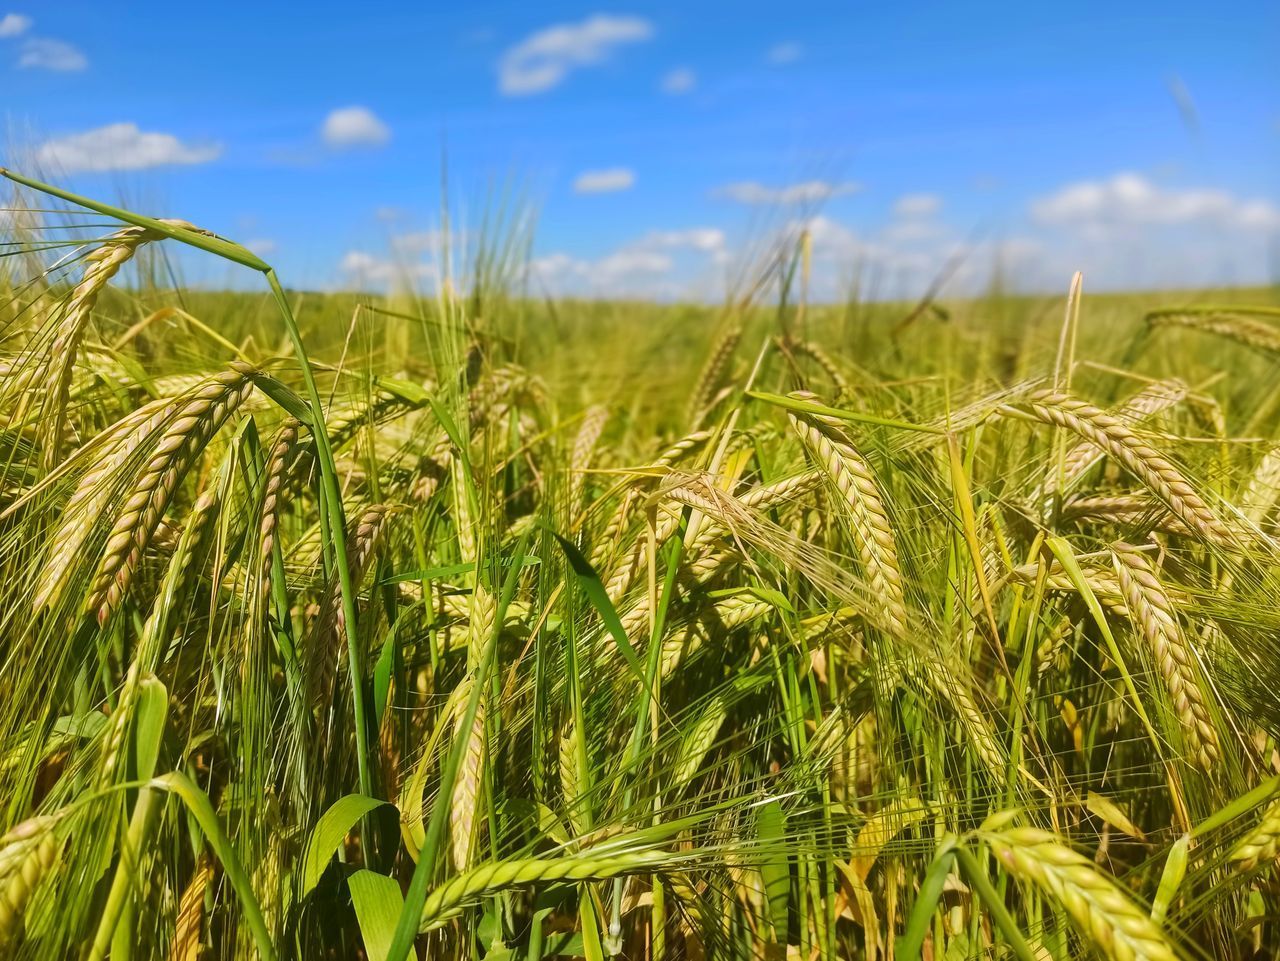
{"x": 14, "y": 24}
{"x": 678, "y": 81}
{"x": 915, "y": 206}
{"x": 661, "y": 263}
{"x": 1129, "y": 199}
{"x": 354, "y": 127}
{"x": 361, "y": 270}
{"x": 1126, "y": 231}
{"x": 121, "y": 146}
{"x": 262, "y": 246}
{"x": 805, "y": 192}
{"x": 781, "y": 54}
{"x": 42, "y": 53}
{"x": 604, "y": 181}
{"x": 542, "y": 60}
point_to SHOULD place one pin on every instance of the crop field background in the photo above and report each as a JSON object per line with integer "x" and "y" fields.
{"x": 759, "y": 631}
{"x": 703, "y": 482}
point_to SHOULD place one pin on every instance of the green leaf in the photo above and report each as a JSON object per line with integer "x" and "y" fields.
{"x": 1061, "y": 549}
{"x": 1175, "y": 869}
{"x": 201, "y": 809}
{"x": 332, "y": 827}
{"x": 452, "y": 570}
{"x": 151, "y": 712}
{"x": 771, "y": 830}
{"x": 409, "y": 392}
{"x": 382, "y": 674}
{"x": 378, "y": 903}
{"x": 593, "y": 587}
{"x": 286, "y": 398}
{"x": 806, "y": 407}
{"x": 1107, "y": 809}
{"x": 911, "y": 944}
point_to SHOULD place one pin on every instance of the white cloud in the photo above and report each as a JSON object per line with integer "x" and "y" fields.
{"x": 661, "y": 264}
{"x": 678, "y": 81}
{"x": 709, "y": 240}
{"x": 416, "y": 243}
{"x": 354, "y": 127}
{"x": 44, "y": 54}
{"x": 912, "y": 206}
{"x": 261, "y": 246}
{"x": 121, "y": 146}
{"x": 604, "y": 181}
{"x": 542, "y": 60}
{"x": 807, "y": 192}
{"x": 1130, "y": 200}
{"x": 912, "y": 231}
{"x": 14, "y": 24}
{"x": 1128, "y": 232}
{"x": 361, "y": 270}
{"x": 784, "y": 53}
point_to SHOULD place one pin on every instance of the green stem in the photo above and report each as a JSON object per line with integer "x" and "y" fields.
{"x": 994, "y": 904}
{"x": 334, "y": 530}
{"x": 416, "y": 897}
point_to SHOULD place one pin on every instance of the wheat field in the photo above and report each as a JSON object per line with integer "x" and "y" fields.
{"x": 477, "y": 625}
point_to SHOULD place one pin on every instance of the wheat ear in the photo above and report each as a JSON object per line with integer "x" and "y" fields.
{"x": 1096, "y": 905}
{"x": 1152, "y": 612}
{"x": 1233, "y": 325}
{"x": 185, "y": 945}
{"x": 584, "y": 445}
{"x": 101, "y": 264}
{"x": 91, "y": 497}
{"x": 1262, "y": 844}
{"x": 708, "y": 381}
{"x": 277, "y": 469}
{"x": 468, "y": 788}
{"x": 856, "y": 482}
{"x": 1149, "y": 402}
{"x": 491, "y": 878}
{"x": 820, "y": 357}
{"x": 27, "y": 852}
{"x": 1264, "y": 487}
{"x": 331, "y": 623}
{"x": 199, "y": 418}
{"x": 1112, "y": 435}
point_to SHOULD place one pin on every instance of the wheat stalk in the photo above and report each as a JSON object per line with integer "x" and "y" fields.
{"x": 1151, "y": 610}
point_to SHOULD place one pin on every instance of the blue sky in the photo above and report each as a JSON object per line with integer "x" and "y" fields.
{"x": 660, "y": 143}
